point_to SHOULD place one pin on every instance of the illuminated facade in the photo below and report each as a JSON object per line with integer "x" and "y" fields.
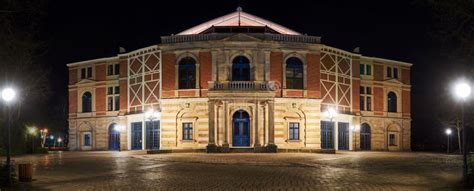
{"x": 239, "y": 81}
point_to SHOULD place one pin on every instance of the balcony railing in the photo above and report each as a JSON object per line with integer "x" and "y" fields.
{"x": 242, "y": 85}
{"x": 220, "y": 36}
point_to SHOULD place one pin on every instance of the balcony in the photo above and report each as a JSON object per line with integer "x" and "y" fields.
{"x": 242, "y": 85}
{"x": 220, "y": 36}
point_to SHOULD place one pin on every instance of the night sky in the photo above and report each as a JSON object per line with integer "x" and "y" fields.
{"x": 81, "y": 30}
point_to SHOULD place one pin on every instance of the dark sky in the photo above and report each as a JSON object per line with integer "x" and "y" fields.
{"x": 399, "y": 30}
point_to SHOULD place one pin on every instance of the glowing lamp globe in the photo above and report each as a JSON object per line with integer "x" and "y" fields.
{"x": 8, "y": 94}
{"x": 462, "y": 90}
{"x": 448, "y": 131}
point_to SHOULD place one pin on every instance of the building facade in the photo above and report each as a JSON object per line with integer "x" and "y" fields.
{"x": 239, "y": 81}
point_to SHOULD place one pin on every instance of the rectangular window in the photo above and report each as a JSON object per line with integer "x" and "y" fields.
{"x": 187, "y": 131}
{"x": 89, "y": 72}
{"x": 83, "y": 73}
{"x": 395, "y": 73}
{"x": 369, "y": 103}
{"x": 110, "y": 103}
{"x": 392, "y": 140}
{"x": 362, "y": 90}
{"x": 110, "y": 70}
{"x": 362, "y": 103}
{"x": 87, "y": 139}
{"x": 113, "y": 98}
{"x": 369, "y": 91}
{"x": 117, "y": 69}
{"x": 369, "y": 70}
{"x": 362, "y": 69}
{"x": 294, "y": 131}
{"x": 389, "y": 72}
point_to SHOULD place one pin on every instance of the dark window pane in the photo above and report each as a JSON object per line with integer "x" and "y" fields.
{"x": 369, "y": 69}
{"x": 362, "y": 105}
{"x": 294, "y": 73}
{"x": 87, "y": 140}
{"x": 187, "y": 73}
{"x": 389, "y": 72}
{"x": 110, "y": 103}
{"x": 369, "y": 91}
{"x": 369, "y": 104}
{"x": 110, "y": 70}
{"x": 89, "y": 72}
{"x": 83, "y": 73}
{"x": 117, "y": 103}
{"x": 392, "y": 102}
{"x": 241, "y": 69}
{"x": 362, "y": 69}
{"x": 395, "y": 73}
{"x": 117, "y": 69}
{"x": 87, "y": 102}
{"x": 362, "y": 90}
{"x": 110, "y": 90}
{"x": 117, "y": 89}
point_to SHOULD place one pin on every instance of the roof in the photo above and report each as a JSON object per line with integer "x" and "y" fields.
{"x": 238, "y": 18}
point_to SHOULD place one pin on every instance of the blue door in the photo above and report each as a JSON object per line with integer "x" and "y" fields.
{"x": 137, "y": 136}
{"x": 241, "y": 129}
{"x": 343, "y": 136}
{"x": 153, "y": 135}
{"x": 114, "y": 138}
{"x": 327, "y": 140}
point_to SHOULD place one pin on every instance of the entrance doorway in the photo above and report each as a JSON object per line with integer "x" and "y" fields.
{"x": 114, "y": 138}
{"x": 241, "y": 128}
{"x": 365, "y": 136}
{"x": 343, "y": 136}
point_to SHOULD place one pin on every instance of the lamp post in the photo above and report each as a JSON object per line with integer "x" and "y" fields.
{"x": 32, "y": 131}
{"x": 462, "y": 91}
{"x": 152, "y": 115}
{"x": 8, "y": 96}
{"x": 43, "y": 132}
{"x": 448, "y": 133}
{"x": 59, "y": 141}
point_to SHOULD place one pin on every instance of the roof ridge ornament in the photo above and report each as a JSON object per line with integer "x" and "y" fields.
{"x": 239, "y": 9}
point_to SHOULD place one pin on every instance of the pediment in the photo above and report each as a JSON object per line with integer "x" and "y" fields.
{"x": 85, "y": 81}
{"x": 239, "y": 18}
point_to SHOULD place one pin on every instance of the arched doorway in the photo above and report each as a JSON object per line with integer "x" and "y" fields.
{"x": 114, "y": 137}
{"x": 241, "y": 128}
{"x": 365, "y": 136}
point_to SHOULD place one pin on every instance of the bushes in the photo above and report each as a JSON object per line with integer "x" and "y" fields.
{"x": 41, "y": 150}
{"x": 4, "y": 174}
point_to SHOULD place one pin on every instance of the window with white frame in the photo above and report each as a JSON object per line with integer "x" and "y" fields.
{"x": 392, "y": 72}
{"x": 86, "y": 72}
{"x": 113, "y": 98}
{"x": 294, "y": 131}
{"x": 366, "y": 69}
{"x": 365, "y": 98}
{"x": 187, "y": 131}
{"x": 392, "y": 139}
{"x": 113, "y": 69}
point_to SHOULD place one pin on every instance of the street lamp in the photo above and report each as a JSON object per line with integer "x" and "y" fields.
{"x": 59, "y": 141}
{"x": 462, "y": 90}
{"x": 8, "y": 96}
{"x": 151, "y": 115}
{"x": 119, "y": 128}
{"x": 32, "y": 131}
{"x": 448, "y": 133}
{"x": 43, "y": 132}
{"x": 52, "y": 139}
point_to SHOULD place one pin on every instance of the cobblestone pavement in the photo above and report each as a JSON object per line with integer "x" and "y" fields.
{"x": 243, "y": 171}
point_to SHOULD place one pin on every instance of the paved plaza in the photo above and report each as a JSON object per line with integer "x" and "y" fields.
{"x": 243, "y": 171}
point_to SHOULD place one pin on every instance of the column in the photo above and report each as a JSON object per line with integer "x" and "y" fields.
{"x": 211, "y": 146}
{"x": 257, "y": 141}
{"x": 226, "y": 121}
{"x": 271, "y": 129}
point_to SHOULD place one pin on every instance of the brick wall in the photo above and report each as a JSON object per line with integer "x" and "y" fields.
{"x": 73, "y": 101}
{"x": 123, "y": 96}
{"x": 378, "y": 72}
{"x": 406, "y": 102}
{"x": 169, "y": 61}
{"x": 100, "y": 72}
{"x": 406, "y": 76}
{"x": 205, "y": 71}
{"x": 313, "y": 75}
{"x": 378, "y": 99}
{"x": 100, "y": 101}
{"x": 73, "y": 76}
{"x": 276, "y": 70}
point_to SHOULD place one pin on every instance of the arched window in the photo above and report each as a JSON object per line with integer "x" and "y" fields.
{"x": 392, "y": 102}
{"x": 187, "y": 73}
{"x": 241, "y": 69}
{"x": 294, "y": 73}
{"x": 365, "y": 138}
{"x": 86, "y": 102}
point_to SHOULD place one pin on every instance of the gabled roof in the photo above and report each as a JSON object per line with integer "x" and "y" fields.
{"x": 238, "y": 18}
